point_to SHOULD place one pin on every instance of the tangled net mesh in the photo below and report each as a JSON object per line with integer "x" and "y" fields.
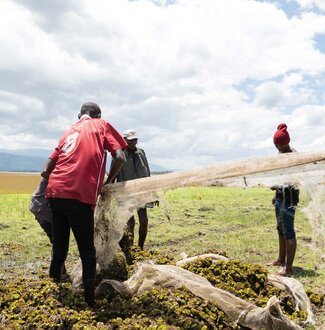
{"x": 309, "y": 177}
{"x": 117, "y": 203}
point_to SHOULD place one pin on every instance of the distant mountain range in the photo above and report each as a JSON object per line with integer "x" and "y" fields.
{"x": 17, "y": 163}
{"x": 34, "y": 160}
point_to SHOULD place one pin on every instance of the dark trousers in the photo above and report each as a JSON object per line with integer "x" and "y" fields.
{"x": 70, "y": 213}
{"x": 285, "y": 216}
{"x": 143, "y": 227}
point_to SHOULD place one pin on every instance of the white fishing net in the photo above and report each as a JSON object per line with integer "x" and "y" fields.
{"x": 239, "y": 311}
{"x": 118, "y": 202}
{"x": 309, "y": 177}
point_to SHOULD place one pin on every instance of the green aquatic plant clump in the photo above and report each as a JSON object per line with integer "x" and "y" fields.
{"x": 177, "y": 308}
{"x": 247, "y": 281}
{"x": 42, "y": 304}
{"x": 316, "y": 299}
{"x": 142, "y": 255}
{"x": 137, "y": 255}
{"x": 36, "y": 304}
{"x": 124, "y": 263}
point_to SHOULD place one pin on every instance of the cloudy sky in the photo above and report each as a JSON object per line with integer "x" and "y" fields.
{"x": 200, "y": 80}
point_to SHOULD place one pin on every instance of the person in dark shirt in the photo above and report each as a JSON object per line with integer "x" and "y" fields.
{"x": 135, "y": 167}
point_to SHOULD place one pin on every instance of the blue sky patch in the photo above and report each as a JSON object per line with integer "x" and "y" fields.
{"x": 320, "y": 42}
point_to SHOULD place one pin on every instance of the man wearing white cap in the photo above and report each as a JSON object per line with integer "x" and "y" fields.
{"x": 135, "y": 167}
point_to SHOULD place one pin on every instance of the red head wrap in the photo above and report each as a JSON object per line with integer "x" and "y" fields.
{"x": 281, "y": 136}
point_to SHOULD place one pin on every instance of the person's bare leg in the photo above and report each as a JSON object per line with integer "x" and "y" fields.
{"x": 131, "y": 225}
{"x": 291, "y": 252}
{"x": 282, "y": 253}
{"x": 143, "y": 227}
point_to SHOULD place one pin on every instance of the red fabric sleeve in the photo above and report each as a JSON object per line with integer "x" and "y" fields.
{"x": 113, "y": 140}
{"x": 55, "y": 154}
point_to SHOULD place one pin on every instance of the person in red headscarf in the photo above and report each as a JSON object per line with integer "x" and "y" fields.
{"x": 281, "y": 139}
{"x": 285, "y": 201}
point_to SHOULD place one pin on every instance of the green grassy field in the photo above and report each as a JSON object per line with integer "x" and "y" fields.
{"x": 240, "y": 222}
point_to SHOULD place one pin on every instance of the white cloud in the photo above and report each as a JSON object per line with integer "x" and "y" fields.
{"x": 200, "y": 80}
{"x": 308, "y": 124}
{"x": 21, "y": 141}
{"x": 292, "y": 90}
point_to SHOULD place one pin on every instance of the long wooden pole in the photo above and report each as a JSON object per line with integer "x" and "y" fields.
{"x": 220, "y": 170}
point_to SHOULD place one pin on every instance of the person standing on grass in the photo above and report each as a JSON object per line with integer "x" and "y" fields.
{"x": 136, "y": 166}
{"x": 75, "y": 173}
{"x": 285, "y": 201}
{"x": 40, "y": 207}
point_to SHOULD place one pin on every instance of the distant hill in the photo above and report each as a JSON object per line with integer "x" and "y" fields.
{"x": 34, "y": 160}
{"x": 18, "y": 163}
{"x": 157, "y": 169}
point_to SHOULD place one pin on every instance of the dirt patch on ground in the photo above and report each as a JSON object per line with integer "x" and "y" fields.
{"x": 9, "y": 248}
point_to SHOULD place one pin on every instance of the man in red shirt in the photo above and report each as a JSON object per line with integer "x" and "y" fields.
{"x": 76, "y": 172}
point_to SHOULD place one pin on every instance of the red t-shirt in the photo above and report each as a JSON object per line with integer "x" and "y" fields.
{"x": 81, "y": 160}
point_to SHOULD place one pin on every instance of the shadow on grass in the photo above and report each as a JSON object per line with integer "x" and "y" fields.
{"x": 300, "y": 272}
{"x": 4, "y": 226}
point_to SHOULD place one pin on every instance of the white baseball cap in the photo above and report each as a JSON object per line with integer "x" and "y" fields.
{"x": 130, "y": 134}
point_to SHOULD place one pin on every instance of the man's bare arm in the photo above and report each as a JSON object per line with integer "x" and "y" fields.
{"x": 48, "y": 168}
{"x": 116, "y": 165}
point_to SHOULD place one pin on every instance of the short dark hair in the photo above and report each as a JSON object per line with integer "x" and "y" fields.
{"x": 91, "y": 109}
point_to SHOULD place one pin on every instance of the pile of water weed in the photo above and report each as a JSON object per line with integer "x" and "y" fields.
{"x": 36, "y": 304}
{"x": 124, "y": 263}
{"x": 134, "y": 254}
{"x": 248, "y": 281}
{"x": 27, "y": 303}
{"x": 177, "y": 308}
{"x": 40, "y": 303}
{"x": 316, "y": 299}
